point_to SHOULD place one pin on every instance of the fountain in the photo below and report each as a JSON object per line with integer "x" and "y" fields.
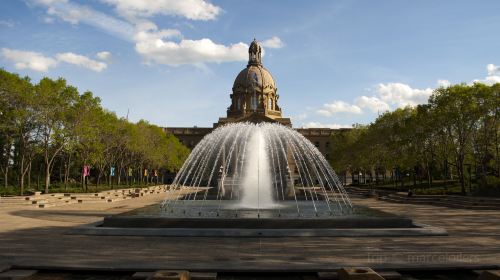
{"x": 260, "y": 168}
{"x": 264, "y": 179}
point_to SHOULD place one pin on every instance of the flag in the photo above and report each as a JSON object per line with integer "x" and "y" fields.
{"x": 86, "y": 171}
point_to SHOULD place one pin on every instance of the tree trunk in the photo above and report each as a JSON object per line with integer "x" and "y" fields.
{"x": 141, "y": 176}
{"x": 65, "y": 179}
{"x": 7, "y": 160}
{"x": 61, "y": 180}
{"x": 21, "y": 182}
{"x": 47, "y": 177}
{"x": 98, "y": 179}
{"x": 6, "y": 176}
{"x": 21, "y": 175}
{"x": 414, "y": 177}
{"x": 82, "y": 178}
{"x": 29, "y": 174}
{"x": 429, "y": 182}
{"x": 38, "y": 177}
{"x": 119, "y": 176}
{"x": 126, "y": 177}
{"x": 460, "y": 171}
{"x": 66, "y": 171}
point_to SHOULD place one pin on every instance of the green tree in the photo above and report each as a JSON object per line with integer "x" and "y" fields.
{"x": 55, "y": 101}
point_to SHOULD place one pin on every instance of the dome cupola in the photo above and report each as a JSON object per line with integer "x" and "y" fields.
{"x": 254, "y": 92}
{"x": 255, "y": 54}
{"x": 254, "y": 89}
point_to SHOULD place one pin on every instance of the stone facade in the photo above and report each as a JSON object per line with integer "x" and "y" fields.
{"x": 254, "y": 99}
{"x": 189, "y": 136}
{"x": 320, "y": 137}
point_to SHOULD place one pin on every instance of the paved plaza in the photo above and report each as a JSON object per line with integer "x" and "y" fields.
{"x": 31, "y": 237}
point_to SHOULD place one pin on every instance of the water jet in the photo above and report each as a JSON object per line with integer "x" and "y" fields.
{"x": 262, "y": 179}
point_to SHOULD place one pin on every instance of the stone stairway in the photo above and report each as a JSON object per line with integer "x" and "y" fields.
{"x": 39, "y": 200}
{"x": 452, "y": 201}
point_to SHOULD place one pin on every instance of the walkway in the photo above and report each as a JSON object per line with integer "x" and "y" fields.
{"x": 31, "y": 237}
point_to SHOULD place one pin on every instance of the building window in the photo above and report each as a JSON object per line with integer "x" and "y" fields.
{"x": 253, "y": 102}
{"x": 270, "y": 104}
{"x": 327, "y": 144}
{"x": 316, "y": 144}
{"x": 238, "y": 104}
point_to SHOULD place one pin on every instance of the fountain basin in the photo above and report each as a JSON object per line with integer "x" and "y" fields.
{"x": 186, "y": 220}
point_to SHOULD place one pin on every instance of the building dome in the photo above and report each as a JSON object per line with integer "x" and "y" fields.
{"x": 254, "y": 77}
{"x": 254, "y": 92}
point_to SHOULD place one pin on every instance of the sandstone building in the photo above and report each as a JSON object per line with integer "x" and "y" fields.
{"x": 254, "y": 99}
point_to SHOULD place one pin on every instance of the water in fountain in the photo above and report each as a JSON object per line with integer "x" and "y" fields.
{"x": 267, "y": 169}
{"x": 256, "y": 187}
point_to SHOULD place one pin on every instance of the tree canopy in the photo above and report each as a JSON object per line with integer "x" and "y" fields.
{"x": 51, "y": 129}
{"x": 455, "y": 136}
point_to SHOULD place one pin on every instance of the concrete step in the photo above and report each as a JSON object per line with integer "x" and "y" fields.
{"x": 437, "y": 202}
{"x": 50, "y": 200}
{"x": 14, "y": 202}
{"x": 54, "y": 204}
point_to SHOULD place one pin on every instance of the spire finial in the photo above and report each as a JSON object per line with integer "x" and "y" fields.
{"x": 254, "y": 53}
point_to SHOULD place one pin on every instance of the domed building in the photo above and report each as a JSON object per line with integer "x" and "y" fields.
{"x": 254, "y": 98}
{"x": 255, "y": 95}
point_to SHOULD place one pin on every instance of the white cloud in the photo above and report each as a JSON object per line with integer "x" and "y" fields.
{"x": 443, "y": 83}
{"x": 322, "y": 125}
{"x": 29, "y": 60}
{"x": 81, "y": 61}
{"x": 403, "y": 95}
{"x": 190, "y": 9}
{"x": 489, "y": 80}
{"x": 192, "y": 52}
{"x": 48, "y": 20}
{"x": 493, "y": 75}
{"x": 493, "y": 69}
{"x": 395, "y": 95}
{"x": 154, "y": 48}
{"x": 373, "y": 103}
{"x": 106, "y": 56}
{"x": 38, "y": 62}
{"x": 7, "y": 23}
{"x": 338, "y": 107}
{"x": 273, "y": 43}
{"x": 493, "y": 80}
{"x": 76, "y": 13}
{"x": 162, "y": 46}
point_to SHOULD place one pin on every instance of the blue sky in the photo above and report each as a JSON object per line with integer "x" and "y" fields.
{"x": 173, "y": 62}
